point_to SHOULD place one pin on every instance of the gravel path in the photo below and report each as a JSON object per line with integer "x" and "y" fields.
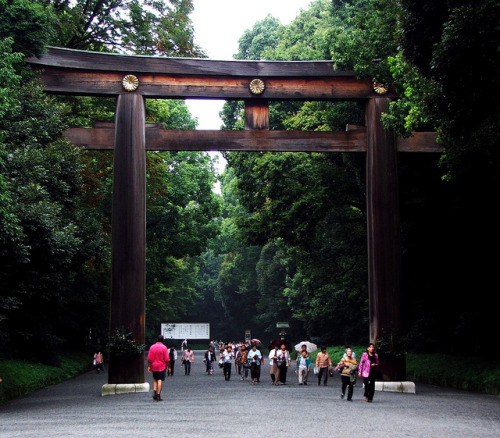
{"x": 200, "y": 405}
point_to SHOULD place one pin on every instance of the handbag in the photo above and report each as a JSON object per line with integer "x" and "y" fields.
{"x": 316, "y": 370}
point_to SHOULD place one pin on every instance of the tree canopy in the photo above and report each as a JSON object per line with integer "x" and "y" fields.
{"x": 311, "y": 206}
{"x": 55, "y": 202}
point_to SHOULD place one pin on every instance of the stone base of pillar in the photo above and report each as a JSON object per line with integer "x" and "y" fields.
{"x": 403, "y": 387}
{"x": 123, "y": 388}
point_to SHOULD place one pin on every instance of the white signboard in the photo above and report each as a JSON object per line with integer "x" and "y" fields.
{"x": 186, "y": 331}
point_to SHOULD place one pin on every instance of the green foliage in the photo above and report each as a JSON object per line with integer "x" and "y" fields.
{"x": 336, "y": 352}
{"x": 20, "y": 378}
{"x": 452, "y": 46}
{"x": 407, "y": 114}
{"x": 364, "y": 36}
{"x": 134, "y": 26}
{"x": 437, "y": 38}
{"x": 233, "y": 115}
{"x": 181, "y": 208}
{"x": 55, "y": 203}
{"x": 468, "y": 373}
{"x": 208, "y": 306}
{"x": 238, "y": 291}
{"x": 29, "y": 22}
{"x": 307, "y": 37}
{"x": 173, "y": 113}
{"x": 121, "y": 344}
{"x": 264, "y": 36}
{"x": 41, "y": 178}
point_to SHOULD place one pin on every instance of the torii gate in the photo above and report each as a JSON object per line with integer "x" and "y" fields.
{"x": 133, "y": 78}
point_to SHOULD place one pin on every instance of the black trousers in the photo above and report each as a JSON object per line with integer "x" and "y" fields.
{"x": 283, "y": 370}
{"x": 171, "y": 372}
{"x": 346, "y": 384}
{"x": 323, "y": 372}
{"x": 369, "y": 383}
{"x": 227, "y": 370}
{"x": 254, "y": 371}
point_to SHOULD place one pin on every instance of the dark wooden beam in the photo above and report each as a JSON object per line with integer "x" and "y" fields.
{"x": 420, "y": 142}
{"x": 256, "y": 114}
{"x": 86, "y": 73}
{"x": 160, "y": 139}
{"x": 111, "y": 62}
{"x": 159, "y": 85}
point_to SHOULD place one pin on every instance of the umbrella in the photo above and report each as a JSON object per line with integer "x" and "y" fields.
{"x": 279, "y": 343}
{"x": 255, "y": 341}
{"x": 310, "y": 347}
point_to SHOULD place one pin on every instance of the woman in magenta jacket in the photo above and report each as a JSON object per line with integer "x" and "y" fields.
{"x": 368, "y": 369}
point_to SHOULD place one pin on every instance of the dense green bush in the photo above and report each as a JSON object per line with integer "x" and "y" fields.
{"x": 460, "y": 372}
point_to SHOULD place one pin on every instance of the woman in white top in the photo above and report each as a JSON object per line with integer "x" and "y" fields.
{"x": 255, "y": 358}
{"x": 283, "y": 363}
{"x": 227, "y": 360}
{"x": 273, "y": 361}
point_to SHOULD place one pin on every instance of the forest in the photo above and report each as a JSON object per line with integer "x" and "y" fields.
{"x": 285, "y": 239}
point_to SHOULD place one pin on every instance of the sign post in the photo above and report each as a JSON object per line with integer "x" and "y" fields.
{"x": 186, "y": 331}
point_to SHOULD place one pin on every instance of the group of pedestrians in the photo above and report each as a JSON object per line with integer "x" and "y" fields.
{"x": 248, "y": 359}
{"x": 349, "y": 370}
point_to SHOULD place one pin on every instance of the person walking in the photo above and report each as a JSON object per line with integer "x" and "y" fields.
{"x": 242, "y": 361}
{"x": 172, "y": 354}
{"x": 255, "y": 358}
{"x": 345, "y": 354}
{"x": 283, "y": 363}
{"x": 227, "y": 362}
{"x": 348, "y": 374}
{"x": 209, "y": 360}
{"x": 303, "y": 367}
{"x": 98, "y": 362}
{"x": 303, "y": 348}
{"x": 187, "y": 360}
{"x": 368, "y": 370}
{"x": 259, "y": 366}
{"x": 158, "y": 361}
{"x": 273, "y": 361}
{"x": 324, "y": 363}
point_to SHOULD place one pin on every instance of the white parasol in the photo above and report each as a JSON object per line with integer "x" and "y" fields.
{"x": 310, "y": 347}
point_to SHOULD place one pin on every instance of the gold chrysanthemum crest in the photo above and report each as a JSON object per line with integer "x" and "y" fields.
{"x": 257, "y": 86}
{"x": 380, "y": 88}
{"x": 130, "y": 83}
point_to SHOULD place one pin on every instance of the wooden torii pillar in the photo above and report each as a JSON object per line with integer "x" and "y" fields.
{"x": 134, "y": 78}
{"x": 383, "y": 232}
{"x": 128, "y": 239}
